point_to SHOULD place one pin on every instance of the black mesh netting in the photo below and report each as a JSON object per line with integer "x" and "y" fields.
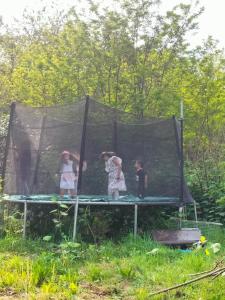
{"x": 4, "y": 120}
{"x": 39, "y": 135}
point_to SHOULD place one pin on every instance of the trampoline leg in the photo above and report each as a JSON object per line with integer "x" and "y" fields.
{"x": 196, "y": 215}
{"x": 75, "y": 219}
{"x": 24, "y": 219}
{"x": 135, "y": 219}
{"x": 181, "y": 211}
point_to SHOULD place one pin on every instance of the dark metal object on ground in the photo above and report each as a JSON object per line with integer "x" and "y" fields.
{"x": 187, "y": 236}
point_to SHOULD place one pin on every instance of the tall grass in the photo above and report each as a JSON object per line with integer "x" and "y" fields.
{"x": 129, "y": 269}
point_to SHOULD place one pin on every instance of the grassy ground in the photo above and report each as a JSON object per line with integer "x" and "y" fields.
{"x": 127, "y": 270}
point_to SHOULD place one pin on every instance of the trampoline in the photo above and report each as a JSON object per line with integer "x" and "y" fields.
{"x": 127, "y": 200}
{"x": 36, "y": 137}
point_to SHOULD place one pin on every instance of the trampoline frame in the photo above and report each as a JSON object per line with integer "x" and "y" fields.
{"x": 76, "y": 204}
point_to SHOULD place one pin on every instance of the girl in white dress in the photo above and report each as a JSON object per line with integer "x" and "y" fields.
{"x": 69, "y": 173}
{"x": 116, "y": 180}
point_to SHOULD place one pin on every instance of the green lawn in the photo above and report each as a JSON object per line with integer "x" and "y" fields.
{"x": 127, "y": 270}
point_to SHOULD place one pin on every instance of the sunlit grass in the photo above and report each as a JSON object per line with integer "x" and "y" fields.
{"x": 131, "y": 269}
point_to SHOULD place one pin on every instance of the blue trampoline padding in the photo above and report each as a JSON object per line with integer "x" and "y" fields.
{"x": 93, "y": 198}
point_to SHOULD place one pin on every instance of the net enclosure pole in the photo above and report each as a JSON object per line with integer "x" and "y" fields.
{"x": 135, "y": 219}
{"x": 81, "y": 162}
{"x": 178, "y": 143}
{"x": 195, "y": 211}
{"x": 76, "y": 205}
{"x": 25, "y": 219}
{"x": 182, "y": 152}
{"x": 83, "y": 144}
{"x": 179, "y": 135}
{"x": 10, "y": 124}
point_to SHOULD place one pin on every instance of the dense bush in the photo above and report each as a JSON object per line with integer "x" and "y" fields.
{"x": 208, "y": 189}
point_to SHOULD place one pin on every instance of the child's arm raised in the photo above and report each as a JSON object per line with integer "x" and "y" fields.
{"x": 84, "y": 165}
{"x": 117, "y": 162}
{"x": 75, "y": 156}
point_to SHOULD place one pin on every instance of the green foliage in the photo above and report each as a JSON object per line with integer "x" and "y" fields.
{"x": 12, "y": 224}
{"x": 127, "y": 271}
{"x": 142, "y": 294}
{"x": 95, "y": 273}
{"x": 124, "y": 270}
{"x": 113, "y": 55}
{"x": 207, "y": 182}
{"x": 47, "y": 238}
{"x": 42, "y": 268}
{"x": 68, "y": 247}
{"x": 59, "y": 215}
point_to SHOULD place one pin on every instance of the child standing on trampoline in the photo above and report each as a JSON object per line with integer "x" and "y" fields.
{"x": 69, "y": 171}
{"x": 116, "y": 179}
{"x": 141, "y": 179}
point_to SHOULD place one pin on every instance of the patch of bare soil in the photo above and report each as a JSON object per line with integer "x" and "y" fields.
{"x": 89, "y": 291}
{"x": 10, "y": 294}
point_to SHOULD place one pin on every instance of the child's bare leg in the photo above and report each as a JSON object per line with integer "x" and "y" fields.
{"x": 73, "y": 193}
{"x": 110, "y": 193}
{"x": 62, "y": 192}
{"x": 116, "y": 195}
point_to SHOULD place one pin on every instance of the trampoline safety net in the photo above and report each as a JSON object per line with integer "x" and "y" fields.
{"x": 37, "y": 136}
{"x": 4, "y": 120}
